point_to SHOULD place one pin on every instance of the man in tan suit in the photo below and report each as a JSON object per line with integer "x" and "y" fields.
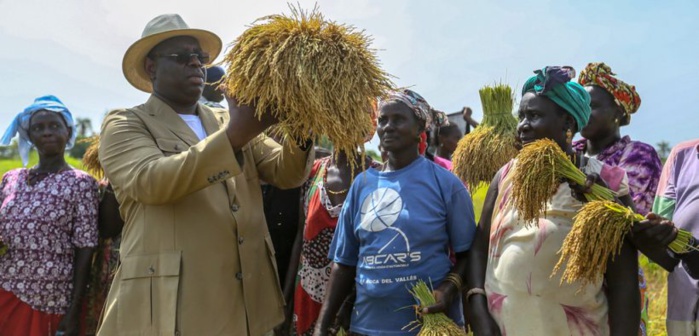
{"x": 196, "y": 257}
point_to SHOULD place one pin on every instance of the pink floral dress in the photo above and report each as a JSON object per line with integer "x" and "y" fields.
{"x": 42, "y": 225}
{"x": 523, "y": 298}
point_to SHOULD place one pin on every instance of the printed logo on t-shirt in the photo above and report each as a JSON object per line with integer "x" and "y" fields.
{"x": 379, "y": 212}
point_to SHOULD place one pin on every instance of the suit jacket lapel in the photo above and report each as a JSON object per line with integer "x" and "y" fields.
{"x": 209, "y": 119}
{"x": 158, "y": 109}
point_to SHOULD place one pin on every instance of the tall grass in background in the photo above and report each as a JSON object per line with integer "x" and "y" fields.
{"x": 656, "y": 279}
{"x": 9, "y": 164}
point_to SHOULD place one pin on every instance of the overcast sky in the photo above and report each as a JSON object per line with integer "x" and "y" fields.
{"x": 446, "y": 50}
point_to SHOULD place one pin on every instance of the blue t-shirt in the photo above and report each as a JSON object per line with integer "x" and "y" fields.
{"x": 397, "y": 228}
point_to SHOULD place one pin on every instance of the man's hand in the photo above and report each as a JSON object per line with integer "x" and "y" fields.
{"x": 244, "y": 125}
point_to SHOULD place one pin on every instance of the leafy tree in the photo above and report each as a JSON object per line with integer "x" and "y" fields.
{"x": 373, "y": 154}
{"x": 83, "y": 126}
{"x": 663, "y": 149}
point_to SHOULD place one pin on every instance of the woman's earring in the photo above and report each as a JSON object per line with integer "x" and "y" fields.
{"x": 616, "y": 121}
{"x": 569, "y": 136}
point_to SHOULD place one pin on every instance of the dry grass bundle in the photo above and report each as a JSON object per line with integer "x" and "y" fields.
{"x": 90, "y": 160}
{"x": 480, "y": 154}
{"x": 437, "y": 324}
{"x": 598, "y": 233}
{"x": 317, "y": 76}
{"x": 541, "y": 167}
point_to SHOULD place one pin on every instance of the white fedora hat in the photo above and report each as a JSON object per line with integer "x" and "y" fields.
{"x": 158, "y": 30}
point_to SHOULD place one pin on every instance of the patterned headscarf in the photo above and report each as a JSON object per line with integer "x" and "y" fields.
{"x": 426, "y": 114}
{"x": 21, "y": 124}
{"x": 625, "y": 95}
{"x": 554, "y": 83}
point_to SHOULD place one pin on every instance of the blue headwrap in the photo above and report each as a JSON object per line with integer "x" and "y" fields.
{"x": 554, "y": 83}
{"x": 21, "y": 124}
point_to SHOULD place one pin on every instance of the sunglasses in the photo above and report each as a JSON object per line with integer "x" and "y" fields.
{"x": 185, "y": 57}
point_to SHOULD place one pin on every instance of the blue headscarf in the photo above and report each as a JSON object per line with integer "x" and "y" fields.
{"x": 554, "y": 83}
{"x": 21, "y": 124}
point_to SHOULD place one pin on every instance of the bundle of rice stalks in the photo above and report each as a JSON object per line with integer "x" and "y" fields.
{"x": 91, "y": 161}
{"x": 437, "y": 324}
{"x": 480, "y": 154}
{"x": 316, "y": 76}
{"x": 598, "y": 233}
{"x": 682, "y": 244}
{"x": 541, "y": 167}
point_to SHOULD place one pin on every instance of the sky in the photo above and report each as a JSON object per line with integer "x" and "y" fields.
{"x": 444, "y": 49}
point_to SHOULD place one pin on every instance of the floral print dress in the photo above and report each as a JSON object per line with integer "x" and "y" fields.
{"x": 522, "y": 296}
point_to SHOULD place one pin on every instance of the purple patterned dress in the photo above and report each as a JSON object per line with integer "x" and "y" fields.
{"x": 42, "y": 225}
{"x": 643, "y": 167}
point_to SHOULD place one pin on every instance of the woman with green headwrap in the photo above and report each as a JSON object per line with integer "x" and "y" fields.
{"x": 511, "y": 264}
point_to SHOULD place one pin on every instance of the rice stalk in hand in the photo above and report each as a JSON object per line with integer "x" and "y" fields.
{"x": 316, "y": 76}
{"x": 682, "y": 243}
{"x": 541, "y": 167}
{"x": 598, "y": 233}
{"x": 480, "y": 154}
{"x": 437, "y": 324}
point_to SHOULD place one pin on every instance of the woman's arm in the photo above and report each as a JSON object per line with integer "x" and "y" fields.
{"x": 482, "y": 323}
{"x": 339, "y": 287}
{"x": 81, "y": 273}
{"x": 623, "y": 295}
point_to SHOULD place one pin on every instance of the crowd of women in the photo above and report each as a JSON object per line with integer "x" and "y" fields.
{"x": 366, "y": 236}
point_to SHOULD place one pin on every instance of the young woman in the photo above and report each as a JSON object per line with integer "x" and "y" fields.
{"x": 397, "y": 226}
{"x": 613, "y": 102}
{"x": 48, "y": 219}
{"x": 511, "y": 268}
{"x": 324, "y": 197}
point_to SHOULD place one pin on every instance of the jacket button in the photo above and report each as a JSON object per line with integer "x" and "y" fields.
{"x": 235, "y": 207}
{"x": 241, "y": 240}
{"x": 239, "y": 276}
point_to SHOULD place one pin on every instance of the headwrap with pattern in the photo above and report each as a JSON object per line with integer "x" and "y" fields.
{"x": 419, "y": 106}
{"x": 554, "y": 83}
{"x": 21, "y": 124}
{"x": 625, "y": 95}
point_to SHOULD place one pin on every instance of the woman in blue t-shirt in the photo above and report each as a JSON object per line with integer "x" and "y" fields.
{"x": 398, "y": 225}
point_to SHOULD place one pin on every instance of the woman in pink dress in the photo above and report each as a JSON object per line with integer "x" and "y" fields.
{"x": 514, "y": 292}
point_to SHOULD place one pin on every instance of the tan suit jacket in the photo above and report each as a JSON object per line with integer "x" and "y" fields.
{"x": 196, "y": 257}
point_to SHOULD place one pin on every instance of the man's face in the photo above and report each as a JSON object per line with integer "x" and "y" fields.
{"x": 178, "y": 79}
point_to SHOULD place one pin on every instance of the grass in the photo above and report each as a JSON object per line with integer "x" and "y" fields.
{"x": 9, "y": 164}
{"x": 656, "y": 279}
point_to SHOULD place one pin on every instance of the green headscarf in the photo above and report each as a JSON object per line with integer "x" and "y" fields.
{"x": 554, "y": 83}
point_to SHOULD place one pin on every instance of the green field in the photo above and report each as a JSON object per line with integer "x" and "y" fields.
{"x": 8, "y": 164}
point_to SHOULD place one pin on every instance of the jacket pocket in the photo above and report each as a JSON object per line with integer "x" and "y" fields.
{"x": 275, "y": 269}
{"x": 148, "y": 294}
{"x": 171, "y": 146}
